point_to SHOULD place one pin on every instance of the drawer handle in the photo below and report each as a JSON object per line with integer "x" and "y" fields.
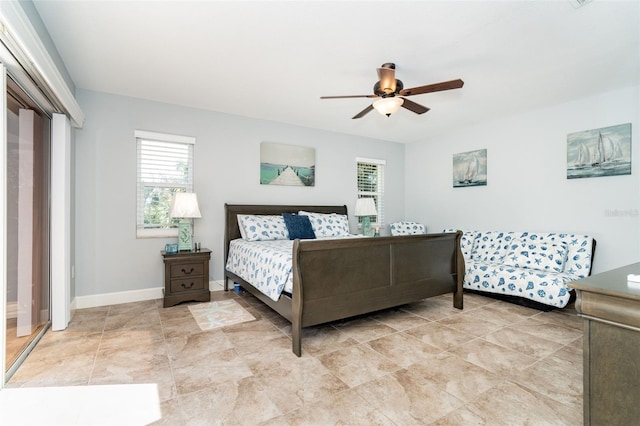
{"x": 187, "y": 273}
{"x": 187, "y": 287}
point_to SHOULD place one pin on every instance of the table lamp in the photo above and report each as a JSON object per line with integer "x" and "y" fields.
{"x": 366, "y": 207}
{"x": 185, "y": 207}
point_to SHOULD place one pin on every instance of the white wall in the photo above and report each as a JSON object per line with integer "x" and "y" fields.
{"x": 109, "y": 258}
{"x": 527, "y": 187}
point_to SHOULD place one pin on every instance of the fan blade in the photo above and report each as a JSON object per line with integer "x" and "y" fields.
{"x": 363, "y": 112}
{"x": 430, "y": 88}
{"x": 412, "y": 106}
{"x": 387, "y": 77}
{"x": 349, "y": 96}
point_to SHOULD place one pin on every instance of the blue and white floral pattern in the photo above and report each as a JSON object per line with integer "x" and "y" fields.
{"x": 407, "y": 228}
{"x": 265, "y": 264}
{"x": 535, "y": 255}
{"x": 327, "y": 225}
{"x": 495, "y": 263}
{"x": 262, "y": 227}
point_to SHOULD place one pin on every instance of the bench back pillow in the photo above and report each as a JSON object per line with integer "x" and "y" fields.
{"x": 491, "y": 246}
{"x": 542, "y": 256}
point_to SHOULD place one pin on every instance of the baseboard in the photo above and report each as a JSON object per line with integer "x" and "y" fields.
{"x": 83, "y": 302}
{"x": 12, "y": 310}
{"x": 216, "y": 285}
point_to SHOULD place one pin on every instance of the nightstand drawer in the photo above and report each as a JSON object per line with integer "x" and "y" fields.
{"x": 187, "y": 270}
{"x": 186, "y": 284}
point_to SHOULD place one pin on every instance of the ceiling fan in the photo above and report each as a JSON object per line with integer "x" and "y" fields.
{"x": 393, "y": 95}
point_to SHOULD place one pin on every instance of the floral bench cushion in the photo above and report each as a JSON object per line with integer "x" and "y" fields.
{"x": 407, "y": 228}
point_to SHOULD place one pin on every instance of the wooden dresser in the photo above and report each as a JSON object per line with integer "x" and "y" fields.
{"x": 611, "y": 312}
{"x": 186, "y": 277}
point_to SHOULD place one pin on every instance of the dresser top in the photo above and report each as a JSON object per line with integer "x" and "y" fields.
{"x": 612, "y": 283}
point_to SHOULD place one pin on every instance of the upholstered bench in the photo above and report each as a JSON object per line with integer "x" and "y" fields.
{"x": 531, "y": 265}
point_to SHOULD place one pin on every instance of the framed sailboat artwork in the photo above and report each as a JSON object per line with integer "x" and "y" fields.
{"x": 599, "y": 152}
{"x": 470, "y": 168}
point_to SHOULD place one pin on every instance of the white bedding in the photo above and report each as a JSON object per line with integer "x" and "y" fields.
{"x": 266, "y": 265}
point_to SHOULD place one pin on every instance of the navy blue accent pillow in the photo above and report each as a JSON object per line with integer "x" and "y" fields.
{"x": 299, "y": 226}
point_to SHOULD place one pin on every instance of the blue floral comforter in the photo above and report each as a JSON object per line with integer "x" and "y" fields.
{"x": 265, "y": 264}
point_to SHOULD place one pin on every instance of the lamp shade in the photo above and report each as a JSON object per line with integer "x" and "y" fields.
{"x": 388, "y": 106}
{"x": 365, "y": 207}
{"x": 185, "y": 204}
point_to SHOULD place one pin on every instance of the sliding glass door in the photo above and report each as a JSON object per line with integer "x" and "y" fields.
{"x": 27, "y": 254}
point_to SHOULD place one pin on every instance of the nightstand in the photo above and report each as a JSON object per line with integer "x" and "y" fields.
{"x": 186, "y": 276}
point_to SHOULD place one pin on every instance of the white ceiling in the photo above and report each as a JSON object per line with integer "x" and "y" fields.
{"x": 273, "y": 60}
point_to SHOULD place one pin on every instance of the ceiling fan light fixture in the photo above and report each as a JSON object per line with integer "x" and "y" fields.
{"x": 388, "y": 106}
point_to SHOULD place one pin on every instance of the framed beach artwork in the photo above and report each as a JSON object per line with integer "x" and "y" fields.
{"x": 470, "y": 168}
{"x": 599, "y": 152}
{"x": 291, "y": 165}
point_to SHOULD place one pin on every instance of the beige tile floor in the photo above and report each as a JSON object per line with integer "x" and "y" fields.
{"x": 493, "y": 363}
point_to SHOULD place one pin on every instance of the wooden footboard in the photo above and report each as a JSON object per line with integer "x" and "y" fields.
{"x": 336, "y": 279}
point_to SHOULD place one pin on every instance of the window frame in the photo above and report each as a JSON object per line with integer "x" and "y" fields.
{"x": 378, "y": 194}
{"x": 168, "y": 229}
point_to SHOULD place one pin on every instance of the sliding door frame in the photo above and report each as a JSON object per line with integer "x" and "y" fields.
{"x": 3, "y": 223}
{"x": 60, "y": 222}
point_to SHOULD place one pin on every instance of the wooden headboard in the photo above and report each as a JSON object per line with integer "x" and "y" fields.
{"x": 231, "y": 212}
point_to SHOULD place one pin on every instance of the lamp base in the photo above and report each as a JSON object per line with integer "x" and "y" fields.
{"x": 185, "y": 242}
{"x": 366, "y": 226}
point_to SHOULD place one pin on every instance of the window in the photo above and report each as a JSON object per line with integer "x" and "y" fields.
{"x": 165, "y": 166}
{"x": 371, "y": 185}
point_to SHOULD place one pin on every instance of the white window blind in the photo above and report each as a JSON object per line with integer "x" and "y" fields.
{"x": 165, "y": 166}
{"x": 370, "y": 182}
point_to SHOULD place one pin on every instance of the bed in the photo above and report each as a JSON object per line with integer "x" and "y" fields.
{"x": 335, "y": 279}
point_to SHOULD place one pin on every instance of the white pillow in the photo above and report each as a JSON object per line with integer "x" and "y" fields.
{"x": 328, "y": 224}
{"x": 240, "y": 219}
{"x": 548, "y": 257}
{"x": 262, "y": 227}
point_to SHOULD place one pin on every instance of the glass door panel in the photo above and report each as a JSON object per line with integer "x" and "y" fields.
{"x": 27, "y": 188}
